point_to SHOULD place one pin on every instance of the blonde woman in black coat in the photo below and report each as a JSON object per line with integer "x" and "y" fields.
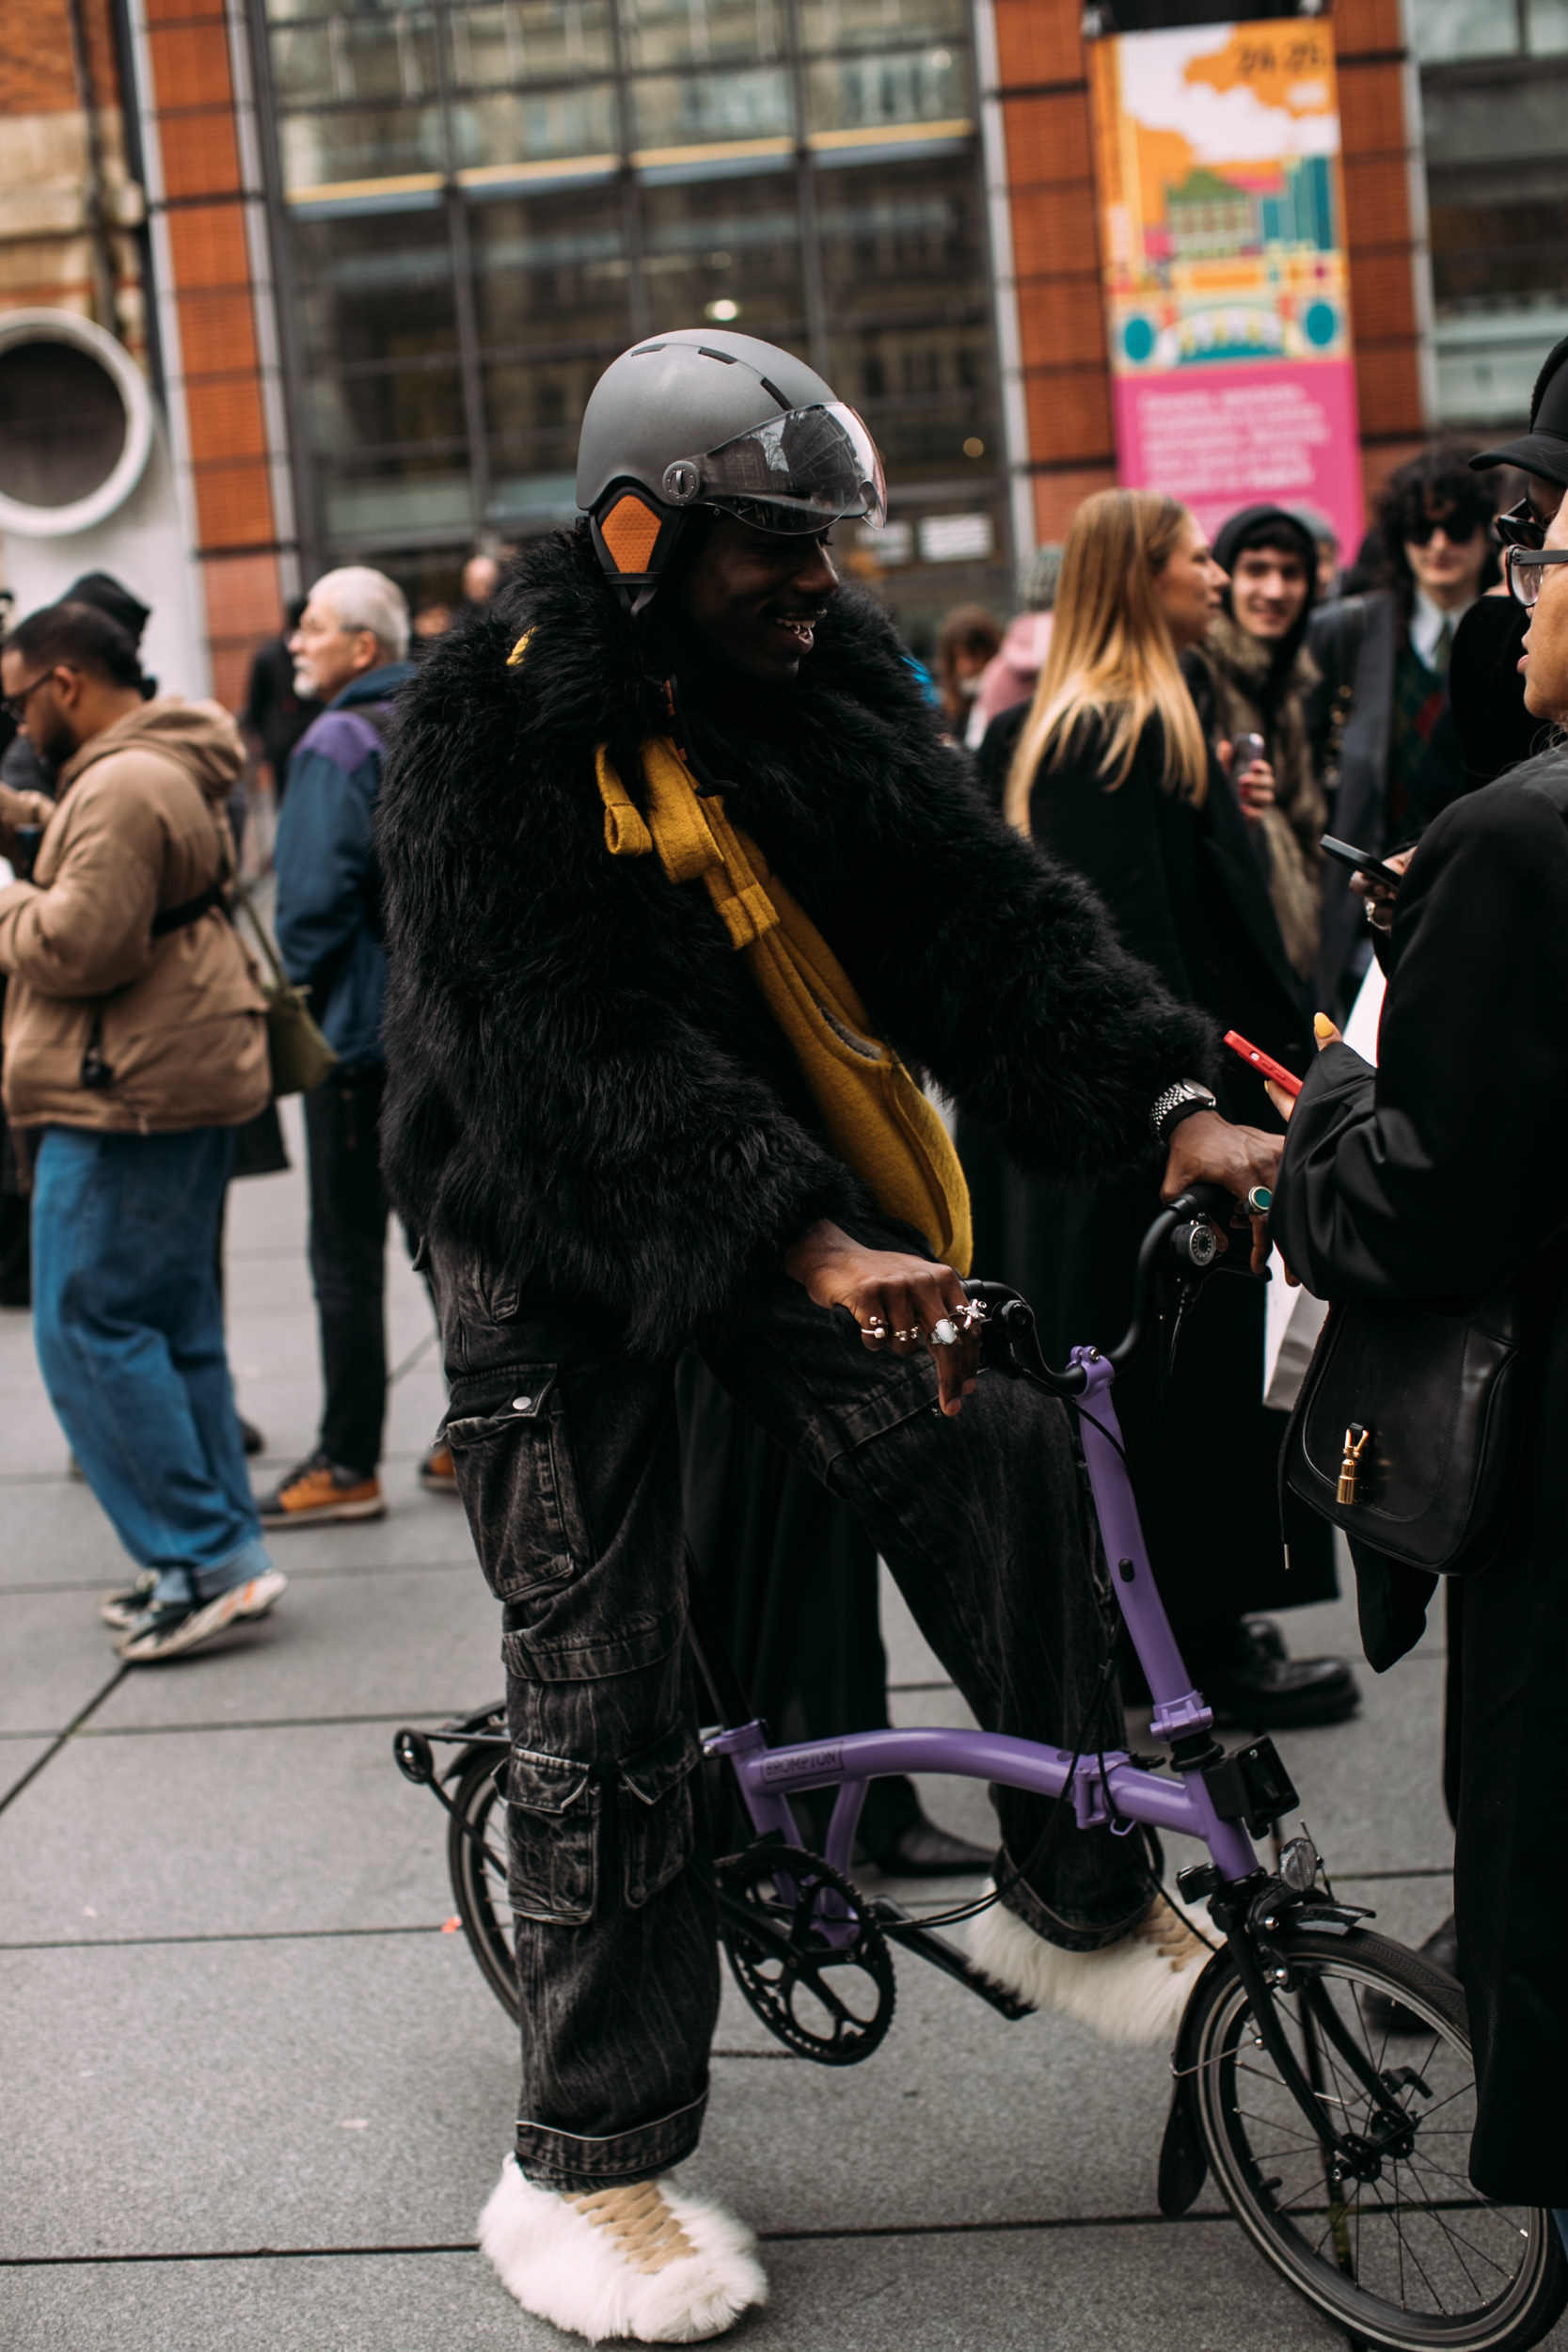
{"x": 1109, "y": 770}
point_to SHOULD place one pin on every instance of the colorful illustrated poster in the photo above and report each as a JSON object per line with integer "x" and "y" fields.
{"x": 1217, "y": 162}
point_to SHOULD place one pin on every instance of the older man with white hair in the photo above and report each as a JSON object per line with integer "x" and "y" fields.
{"x": 350, "y": 652}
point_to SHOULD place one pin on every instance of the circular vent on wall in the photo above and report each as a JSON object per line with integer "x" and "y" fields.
{"x": 75, "y": 423}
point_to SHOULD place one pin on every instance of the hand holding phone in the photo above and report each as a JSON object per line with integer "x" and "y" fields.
{"x": 1360, "y": 861}
{"x": 1263, "y": 1063}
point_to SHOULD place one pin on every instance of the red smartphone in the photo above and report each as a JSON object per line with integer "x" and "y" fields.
{"x": 1263, "y": 1062}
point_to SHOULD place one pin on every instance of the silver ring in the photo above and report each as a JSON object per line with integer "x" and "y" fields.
{"x": 1259, "y": 1200}
{"x": 912, "y": 1333}
{"x": 873, "y": 1330}
{"x": 942, "y": 1334}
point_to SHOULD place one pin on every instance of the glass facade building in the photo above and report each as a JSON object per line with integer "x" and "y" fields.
{"x": 476, "y": 207}
{"x": 1495, "y": 119}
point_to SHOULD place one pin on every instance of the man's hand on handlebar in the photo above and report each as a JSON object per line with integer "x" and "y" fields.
{"x": 902, "y": 1304}
{"x": 1208, "y": 1150}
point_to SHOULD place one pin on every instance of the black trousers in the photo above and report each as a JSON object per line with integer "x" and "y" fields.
{"x": 348, "y": 1262}
{"x": 568, "y": 1463}
{"x": 790, "y": 1575}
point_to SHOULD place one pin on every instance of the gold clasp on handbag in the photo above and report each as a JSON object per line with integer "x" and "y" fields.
{"x": 1355, "y": 1445}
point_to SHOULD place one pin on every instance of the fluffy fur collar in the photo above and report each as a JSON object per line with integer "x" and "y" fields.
{"x": 584, "y": 1083}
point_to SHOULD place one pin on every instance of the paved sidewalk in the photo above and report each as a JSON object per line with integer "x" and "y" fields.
{"x": 254, "y": 2095}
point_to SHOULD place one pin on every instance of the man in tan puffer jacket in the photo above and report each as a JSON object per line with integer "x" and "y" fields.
{"x": 136, "y": 1039}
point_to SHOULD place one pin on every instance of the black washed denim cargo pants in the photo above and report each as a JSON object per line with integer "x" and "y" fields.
{"x": 568, "y": 1465}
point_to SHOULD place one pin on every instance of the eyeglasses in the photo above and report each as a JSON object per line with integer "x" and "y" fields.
{"x": 1521, "y": 526}
{"x": 1526, "y": 569}
{"x": 1455, "y": 529}
{"x": 15, "y": 705}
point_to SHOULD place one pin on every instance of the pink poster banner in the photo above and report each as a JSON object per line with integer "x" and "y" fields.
{"x": 1225, "y": 282}
{"x": 1282, "y": 432}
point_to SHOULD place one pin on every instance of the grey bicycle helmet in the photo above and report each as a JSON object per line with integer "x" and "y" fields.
{"x": 700, "y": 417}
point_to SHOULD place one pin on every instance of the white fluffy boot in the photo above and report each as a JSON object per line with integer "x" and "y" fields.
{"x": 1133, "y": 1991}
{"x": 638, "y": 2259}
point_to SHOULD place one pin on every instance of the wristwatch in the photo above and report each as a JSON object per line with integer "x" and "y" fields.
{"x": 1178, "y": 1101}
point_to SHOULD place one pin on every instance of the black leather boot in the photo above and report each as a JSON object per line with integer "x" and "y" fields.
{"x": 1253, "y": 1683}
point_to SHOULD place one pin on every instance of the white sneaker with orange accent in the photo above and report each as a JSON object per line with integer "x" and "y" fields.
{"x": 174, "y": 1628}
{"x": 640, "y": 2259}
{"x": 1133, "y": 1991}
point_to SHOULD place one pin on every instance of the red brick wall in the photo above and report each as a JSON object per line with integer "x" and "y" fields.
{"x": 1045, "y": 110}
{"x": 194, "y": 93}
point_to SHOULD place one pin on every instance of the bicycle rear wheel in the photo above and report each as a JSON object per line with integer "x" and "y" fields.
{"x": 1409, "y": 2257}
{"x": 477, "y": 1861}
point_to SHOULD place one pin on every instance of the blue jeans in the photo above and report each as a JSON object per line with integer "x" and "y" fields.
{"x": 128, "y": 1324}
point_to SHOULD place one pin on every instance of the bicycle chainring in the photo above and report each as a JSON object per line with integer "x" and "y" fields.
{"x": 806, "y": 1952}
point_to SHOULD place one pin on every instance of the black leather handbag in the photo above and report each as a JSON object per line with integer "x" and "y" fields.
{"x": 1407, "y": 1426}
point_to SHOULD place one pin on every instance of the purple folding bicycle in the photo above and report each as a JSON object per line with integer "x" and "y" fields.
{"x": 1322, "y": 2072}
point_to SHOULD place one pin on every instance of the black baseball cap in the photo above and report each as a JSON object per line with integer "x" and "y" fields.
{"x": 1543, "y": 450}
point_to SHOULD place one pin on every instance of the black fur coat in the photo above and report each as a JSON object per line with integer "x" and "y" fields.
{"x": 584, "y": 1086}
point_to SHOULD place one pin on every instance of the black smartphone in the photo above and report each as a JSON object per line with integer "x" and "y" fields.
{"x": 1362, "y": 860}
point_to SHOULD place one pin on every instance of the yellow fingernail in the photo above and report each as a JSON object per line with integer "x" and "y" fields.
{"x": 1323, "y": 1026}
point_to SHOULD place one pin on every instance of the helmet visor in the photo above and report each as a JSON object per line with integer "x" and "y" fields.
{"x": 798, "y": 472}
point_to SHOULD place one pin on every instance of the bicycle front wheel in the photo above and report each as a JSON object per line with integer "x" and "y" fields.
{"x": 476, "y": 1856}
{"x": 1398, "y": 2249}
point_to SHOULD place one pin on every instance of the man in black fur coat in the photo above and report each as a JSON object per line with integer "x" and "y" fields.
{"x": 611, "y": 1149}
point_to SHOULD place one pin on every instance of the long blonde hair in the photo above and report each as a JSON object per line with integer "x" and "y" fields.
{"x": 1112, "y": 665}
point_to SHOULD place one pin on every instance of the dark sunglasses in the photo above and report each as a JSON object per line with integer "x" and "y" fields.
{"x": 1526, "y": 569}
{"x": 1521, "y": 526}
{"x": 15, "y": 705}
{"x": 1458, "y": 532}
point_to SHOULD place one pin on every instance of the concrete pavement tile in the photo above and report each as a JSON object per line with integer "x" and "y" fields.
{"x": 418, "y": 1530}
{"x": 60, "y": 1655}
{"x": 17, "y": 1759}
{"x": 330, "y": 2091}
{"x": 376, "y": 2303}
{"x": 1048, "y": 2291}
{"x": 57, "y": 1537}
{"x": 236, "y": 2073}
{"x": 230, "y": 1832}
{"x": 31, "y": 1439}
{"x": 421, "y": 1639}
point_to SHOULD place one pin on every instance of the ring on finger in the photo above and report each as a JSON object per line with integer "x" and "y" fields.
{"x": 873, "y": 1330}
{"x": 944, "y": 1334}
{"x": 912, "y": 1333}
{"x": 1259, "y": 1200}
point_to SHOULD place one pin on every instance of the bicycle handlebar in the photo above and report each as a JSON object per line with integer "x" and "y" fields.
{"x": 1181, "y": 1233}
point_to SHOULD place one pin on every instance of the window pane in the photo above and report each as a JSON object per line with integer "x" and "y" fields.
{"x": 374, "y": 289}
{"x": 348, "y": 57}
{"x": 415, "y": 411}
{"x": 730, "y": 243}
{"x": 877, "y": 24}
{"x": 529, "y": 126}
{"x": 394, "y": 498}
{"x": 534, "y": 413}
{"x": 360, "y": 145}
{"x": 925, "y": 392}
{"x": 1548, "y": 26}
{"x": 1464, "y": 28}
{"x": 899, "y": 234}
{"x": 921, "y": 86}
{"x": 287, "y": 11}
{"x": 527, "y": 39}
{"x": 689, "y": 110}
{"x": 552, "y": 269}
{"x": 703, "y": 32}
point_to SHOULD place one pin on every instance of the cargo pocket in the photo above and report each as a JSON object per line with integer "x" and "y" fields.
{"x": 552, "y": 1824}
{"x": 654, "y": 1814}
{"x": 520, "y": 1486}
